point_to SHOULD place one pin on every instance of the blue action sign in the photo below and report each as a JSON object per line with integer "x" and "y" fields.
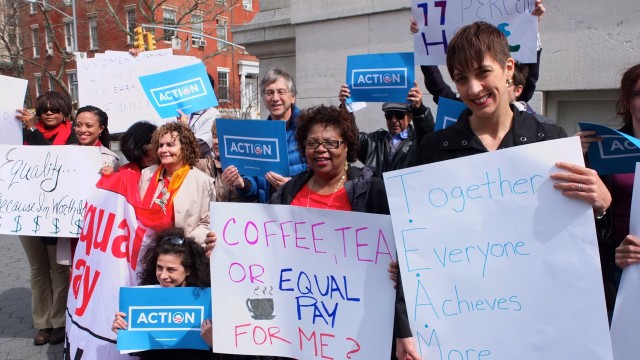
{"x": 187, "y": 89}
{"x": 617, "y": 153}
{"x": 163, "y": 318}
{"x": 380, "y": 77}
{"x": 448, "y": 112}
{"x": 255, "y": 147}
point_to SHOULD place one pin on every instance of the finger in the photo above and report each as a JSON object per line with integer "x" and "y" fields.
{"x": 576, "y": 169}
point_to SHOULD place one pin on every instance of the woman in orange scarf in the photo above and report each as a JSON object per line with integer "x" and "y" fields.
{"x": 175, "y": 193}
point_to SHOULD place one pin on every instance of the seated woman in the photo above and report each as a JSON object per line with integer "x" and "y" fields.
{"x": 175, "y": 261}
{"x": 175, "y": 193}
{"x": 91, "y": 129}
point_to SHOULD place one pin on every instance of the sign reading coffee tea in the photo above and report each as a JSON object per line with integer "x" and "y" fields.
{"x": 298, "y": 282}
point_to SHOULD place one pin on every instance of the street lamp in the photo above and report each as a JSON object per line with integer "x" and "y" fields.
{"x": 72, "y": 17}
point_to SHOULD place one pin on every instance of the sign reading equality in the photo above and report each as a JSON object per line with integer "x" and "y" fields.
{"x": 255, "y": 147}
{"x": 380, "y": 77}
{"x": 187, "y": 89}
{"x": 164, "y": 318}
{"x": 301, "y": 283}
{"x": 617, "y": 153}
{"x": 496, "y": 263}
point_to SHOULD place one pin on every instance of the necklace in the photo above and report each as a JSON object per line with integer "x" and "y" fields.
{"x": 332, "y": 195}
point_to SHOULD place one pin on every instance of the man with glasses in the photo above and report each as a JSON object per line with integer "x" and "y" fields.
{"x": 394, "y": 148}
{"x": 278, "y": 91}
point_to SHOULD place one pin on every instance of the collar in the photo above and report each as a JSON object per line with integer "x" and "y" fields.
{"x": 402, "y": 135}
{"x": 295, "y": 111}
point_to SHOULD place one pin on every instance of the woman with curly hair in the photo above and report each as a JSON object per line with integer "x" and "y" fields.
{"x": 163, "y": 201}
{"x": 175, "y": 261}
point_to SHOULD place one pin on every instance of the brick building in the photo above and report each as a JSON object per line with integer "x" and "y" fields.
{"x": 102, "y": 25}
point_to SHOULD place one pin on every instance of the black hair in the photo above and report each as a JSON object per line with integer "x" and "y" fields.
{"x": 135, "y": 141}
{"x": 105, "y": 137}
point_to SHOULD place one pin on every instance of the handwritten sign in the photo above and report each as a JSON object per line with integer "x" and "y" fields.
{"x": 448, "y": 112}
{"x": 380, "y": 77}
{"x": 187, "y": 89}
{"x": 626, "y": 315}
{"x": 111, "y": 83}
{"x": 255, "y": 147}
{"x": 301, "y": 283}
{"x": 617, "y": 153}
{"x": 438, "y": 21}
{"x": 43, "y": 189}
{"x": 107, "y": 257}
{"x": 496, "y": 263}
{"x": 164, "y": 318}
{"x": 13, "y": 91}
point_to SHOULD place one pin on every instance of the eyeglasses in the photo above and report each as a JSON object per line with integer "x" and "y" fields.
{"x": 328, "y": 144}
{"x": 271, "y": 93}
{"x": 53, "y": 111}
{"x": 394, "y": 114}
{"x": 175, "y": 240}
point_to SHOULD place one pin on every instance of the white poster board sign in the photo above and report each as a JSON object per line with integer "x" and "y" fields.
{"x": 110, "y": 82}
{"x": 43, "y": 189}
{"x": 13, "y": 91}
{"x": 626, "y": 315}
{"x": 301, "y": 283}
{"x": 496, "y": 263}
{"x": 438, "y": 21}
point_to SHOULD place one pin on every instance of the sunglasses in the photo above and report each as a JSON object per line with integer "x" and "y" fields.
{"x": 394, "y": 114}
{"x": 53, "y": 111}
{"x": 175, "y": 240}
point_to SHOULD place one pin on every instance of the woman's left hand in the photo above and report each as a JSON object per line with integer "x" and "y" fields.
{"x": 394, "y": 271}
{"x": 586, "y": 138}
{"x": 27, "y": 117}
{"x": 276, "y": 180}
{"x": 210, "y": 243}
{"x": 582, "y": 183}
{"x": 206, "y": 332}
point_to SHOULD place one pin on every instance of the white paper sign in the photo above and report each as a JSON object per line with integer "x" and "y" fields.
{"x": 438, "y": 21}
{"x": 43, "y": 189}
{"x": 13, "y": 91}
{"x": 496, "y": 263}
{"x": 110, "y": 82}
{"x": 626, "y": 314}
{"x": 301, "y": 283}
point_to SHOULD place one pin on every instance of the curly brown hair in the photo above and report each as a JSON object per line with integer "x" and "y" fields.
{"x": 188, "y": 144}
{"x": 338, "y": 118}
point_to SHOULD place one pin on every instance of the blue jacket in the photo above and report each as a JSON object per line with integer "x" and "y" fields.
{"x": 260, "y": 187}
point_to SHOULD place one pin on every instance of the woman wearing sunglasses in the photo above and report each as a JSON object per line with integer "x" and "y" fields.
{"x": 175, "y": 261}
{"x": 49, "y": 280}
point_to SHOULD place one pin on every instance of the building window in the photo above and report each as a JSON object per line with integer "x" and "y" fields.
{"x": 48, "y": 37}
{"x": 247, "y": 5}
{"x": 223, "y": 86}
{"x": 221, "y": 2}
{"x": 197, "y": 26}
{"x": 131, "y": 23}
{"x": 93, "y": 33}
{"x": 32, "y": 8}
{"x": 38, "y": 84}
{"x": 168, "y": 19}
{"x": 35, "y": 42}
{"x": 72, "y": 81}
{"x": 52, "y": 82}
{"x": 68, "y": 37}
{"x": 221, "y": 33}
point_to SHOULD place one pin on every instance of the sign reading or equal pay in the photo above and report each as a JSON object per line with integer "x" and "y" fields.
{"x": 255, "y": 147}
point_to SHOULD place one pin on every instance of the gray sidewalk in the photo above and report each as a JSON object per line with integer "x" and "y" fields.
{"x": 16, "y": 326}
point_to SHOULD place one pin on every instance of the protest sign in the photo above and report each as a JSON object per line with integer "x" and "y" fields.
{"x": 255, "y": 147}
{"x": 626, "y": 314}
{"x": 187, "y": 89}
{"x": 617, "y": 153}
{"x": 111, "y": 83}
{"x": 301, "y": 283}
{"x": 438, "y": 21}
{"x": 43, "y": 189}
{"x": 107, "y": 257}
{"x": 497, "y": 263}
{"x": 448, "y": 112}
{"x": 13, "y": 91}
{"x": 164, "y": 318}
{"x": 380, "y": 77}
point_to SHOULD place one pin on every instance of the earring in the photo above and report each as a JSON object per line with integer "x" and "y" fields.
{"x": 509, "y": 82}
{"x": 346, "y": 165}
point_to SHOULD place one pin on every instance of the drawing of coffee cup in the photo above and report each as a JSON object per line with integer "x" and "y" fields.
{"x": 260, "y": 309}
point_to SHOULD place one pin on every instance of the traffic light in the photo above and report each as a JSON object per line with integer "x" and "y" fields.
{"x": 151, "y": 41}
{"x": 138, "y": 40}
